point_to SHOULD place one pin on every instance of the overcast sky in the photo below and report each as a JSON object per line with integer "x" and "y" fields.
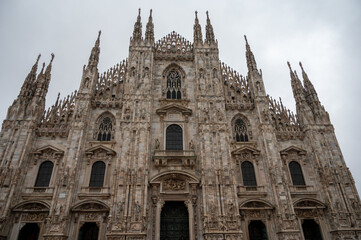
{"x": 324, "y": 34}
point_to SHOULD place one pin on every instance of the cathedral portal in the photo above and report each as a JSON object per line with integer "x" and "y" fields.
{"x": 174, "y": 222}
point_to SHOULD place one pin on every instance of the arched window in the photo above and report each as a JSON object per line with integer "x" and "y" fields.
{"x": 174, "y": 85}
{"x": 296, "y": 174}
{"x": 249, "y": 178}
{"x": 105, "y": 129}
{"x": 44, "y": 174}
{"x": 174, "y": 138}
{"x": 97, "y": 174}
{"x": 240, "y": 131}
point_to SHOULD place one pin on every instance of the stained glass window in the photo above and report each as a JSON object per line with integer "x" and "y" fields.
{"x": 249, "y": 178}
{"x": 97, "y": 174}
{"x": 174, "y": 138}
{"x": 296, "y": 174}
{"x": 105, "y": 129}
{"x": 174, "y": 85}
{"x": 240, "y": 131}
{"x": 44, "y": 174}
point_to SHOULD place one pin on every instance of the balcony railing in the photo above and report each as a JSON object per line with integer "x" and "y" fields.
{"x": 185, "y": 158}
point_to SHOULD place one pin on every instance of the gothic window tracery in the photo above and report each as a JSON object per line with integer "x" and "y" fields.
{"x": 296, "y": 174}
{"x": 97, "y": 174}
{"x": 240, "y": 131}
{"x": 105, "y": 129}
{"x": 174, "y": 137}
{"x": 174, "y": 85}
{"x": 248, "y": 175}
{"x": 44, "y": 174}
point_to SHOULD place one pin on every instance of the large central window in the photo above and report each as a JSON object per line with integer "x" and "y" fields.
{"x": 174, "y": 85}
{"x": 174, "y": 137}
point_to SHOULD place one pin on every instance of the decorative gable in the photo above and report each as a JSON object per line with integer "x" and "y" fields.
{"x": 296, "y": 152}
{"x": 47, "y": 152}
{"x": 99, "y": 151}
{"x": 174, "y": 109}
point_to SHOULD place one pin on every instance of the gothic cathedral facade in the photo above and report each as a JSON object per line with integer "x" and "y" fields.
{"x": 172, "y": 144}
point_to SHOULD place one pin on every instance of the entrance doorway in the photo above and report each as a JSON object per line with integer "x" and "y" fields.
{"x": 174, "y": 223}
{"x": 257, "y": 230}
{"x": 30, "y": 231}
{"x": 311, "y": 230}
{"x": 89, "y": 231}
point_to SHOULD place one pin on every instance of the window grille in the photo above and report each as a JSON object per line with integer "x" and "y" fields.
{"x": 105, "y": 129}
{"x": 296, "y": 174}
{"x": 249, "y": 178}
{"x": 44, "y": 174}
{"x": 240, "y": 131}
{"x": 97, "y": 174}
{"x": 174, "y": 85}
{"x": 174, "y": 138}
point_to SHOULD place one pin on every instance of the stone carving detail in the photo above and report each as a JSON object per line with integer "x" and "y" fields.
{"x": 172, "y": 184}
{"x": 174, "y": 46}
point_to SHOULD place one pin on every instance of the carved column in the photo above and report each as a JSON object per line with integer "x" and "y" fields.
{"x": 160, "y": 204}
{"x": 191, "y": 219}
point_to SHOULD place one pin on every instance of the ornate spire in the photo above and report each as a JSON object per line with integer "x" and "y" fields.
{"x": 149, "y": 32}
{"x": 48, "y": 68}
{"x": 309, "y": 88}
{"x": 251, "y": 61}
{"x": 43, "y": 81}
{"x": 137, "y": 32}
{"x": 28, "y": 89}
{"x": 297, "y": 87}
{"x": 197, "y": 31}
{"x": 94, "y": 56}
{"x": 209, "y": 31}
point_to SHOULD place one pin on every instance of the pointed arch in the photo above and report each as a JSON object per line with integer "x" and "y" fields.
{"x": 241, "y": 128}
{"x": 105, "y": 127}
{"x": 174, "y": 77}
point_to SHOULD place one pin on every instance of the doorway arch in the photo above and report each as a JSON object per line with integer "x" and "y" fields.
{"x": 311, "y": 230}
{"x": 30, "y": 231}
{"x": 174, "y": 221}
{"x": 89, "y": 231}
{"x": 257, "y": 230}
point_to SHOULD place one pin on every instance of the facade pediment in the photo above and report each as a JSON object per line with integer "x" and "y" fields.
{"x": 31, "y": 206}
{"x": 255, "y": 204}
{"x": 174, "y": 174}
{"x": 308, "y": 204}
{"x": 295, "y": 149}
{"x": 90, "y": 206}
{"x": 174, "y": 108}
{"x": 246, "y": 150}
{"x": 50, "y": 150}
{"x": 99, "y": 148}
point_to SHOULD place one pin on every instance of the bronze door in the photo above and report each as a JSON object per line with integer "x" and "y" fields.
{"x": 174, "y": 222}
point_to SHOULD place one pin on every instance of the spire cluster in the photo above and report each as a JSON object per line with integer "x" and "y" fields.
{"x": 306, "y": 96}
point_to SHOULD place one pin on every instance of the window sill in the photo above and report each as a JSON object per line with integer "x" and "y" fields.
{"x": 247, "y": 191}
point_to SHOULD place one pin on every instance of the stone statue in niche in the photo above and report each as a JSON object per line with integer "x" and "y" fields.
{"x": 157, "y": 144}
{"x": 191, "y": 145}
